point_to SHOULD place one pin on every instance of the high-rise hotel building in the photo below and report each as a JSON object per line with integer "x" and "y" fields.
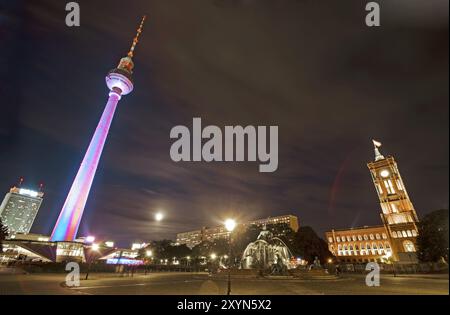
{"x": 19, "y": 209}
{"x": 395, "y": 238}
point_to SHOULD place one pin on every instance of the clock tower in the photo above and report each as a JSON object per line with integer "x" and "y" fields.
{"x": 398, "y": 214}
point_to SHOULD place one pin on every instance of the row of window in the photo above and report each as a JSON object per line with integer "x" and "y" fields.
{"x": 358, "y": 237}
{"x": 389, "y": 186}
{"x": 407, "y": 233}
{"x": 364, "y": 252}
{"x": 367, "y": 249}
{"x": 395, "y": 234}
{"x": 363, "y": 246}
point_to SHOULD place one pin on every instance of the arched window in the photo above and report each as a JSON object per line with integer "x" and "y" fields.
{"x": 409, "y": 246}
{"x": 348, "y": 238}
{"x": 359, "y": 237}
{"x": 394, "y": 234}
{"x": 339, "y": 247}
{"x": 330, "y": 240}
{"x": 371, "y": 236}
{"x": 338, "y": 239}
{"x": 414, "y": 232}
{"x": 368, "y": 246}
{"x": 365, "y": 237}
{"x": 377, "y": 236}
{"x": 384, "y": 236}
{"x": 404, "y": 234}
{"x": 380, "y": 245}
{"x": 409, "y": 233}
{"x": 374, "y": 245}
{"x": 354, "y": 238}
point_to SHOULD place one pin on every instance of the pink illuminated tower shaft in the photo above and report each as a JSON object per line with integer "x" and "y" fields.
{"x": 69, "y": 220}
{"x": 120, "y": 83}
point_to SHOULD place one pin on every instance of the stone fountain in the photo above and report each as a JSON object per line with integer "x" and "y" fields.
{"x": 267, "y": 253}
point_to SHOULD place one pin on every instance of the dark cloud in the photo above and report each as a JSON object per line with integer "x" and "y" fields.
{"x": 314, "y": 69}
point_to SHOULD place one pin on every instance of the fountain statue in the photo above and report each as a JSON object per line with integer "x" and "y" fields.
{"x": 267, "y": 253}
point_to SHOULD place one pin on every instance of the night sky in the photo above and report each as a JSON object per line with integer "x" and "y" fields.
{"x": 311, "y": 67}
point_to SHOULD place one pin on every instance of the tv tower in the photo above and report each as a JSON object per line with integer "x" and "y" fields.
{"x": 119, "y": 82}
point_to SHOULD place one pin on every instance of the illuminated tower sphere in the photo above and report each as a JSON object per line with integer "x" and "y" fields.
{"x": 120, "y": 83}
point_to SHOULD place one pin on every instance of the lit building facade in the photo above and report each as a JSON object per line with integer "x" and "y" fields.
{"x": 195, "y": 237}
{"x": 19, "y": 209}
{"x": 395, "y": 239}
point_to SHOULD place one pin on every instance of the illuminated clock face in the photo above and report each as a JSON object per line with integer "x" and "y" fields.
{"x": 384, "y": 173}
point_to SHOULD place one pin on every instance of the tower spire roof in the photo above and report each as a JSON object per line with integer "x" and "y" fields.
{"x": 378, "y": 155}
{"x": 136, "y": 38}
{"x": 126, "y": 64}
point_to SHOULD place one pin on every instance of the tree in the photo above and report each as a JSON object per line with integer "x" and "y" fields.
{"x": 432, "y": 241}
{"x": 308, "y": 245}
{"x": 3, "y": 234}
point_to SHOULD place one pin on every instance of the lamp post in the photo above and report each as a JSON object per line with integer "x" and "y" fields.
{"x": 94, "y": 247}
{"x": 230, "y": 224}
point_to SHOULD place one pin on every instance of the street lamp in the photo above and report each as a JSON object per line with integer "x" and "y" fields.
{"x": 94, "y": 247}
{"x": 230, "y": 224}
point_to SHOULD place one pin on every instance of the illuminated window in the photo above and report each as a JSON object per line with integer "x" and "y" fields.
{"x": 384, "y": 236}
{"x": 348, "y": 238}
{"x": 394, "y": 234}
{"x": 404, "y": 234}
{"x": 354, "y": 237}
{"x": 338, "y": 239}
{"x": 374, "y": 246}
{"x": 330, "y": 240}
{"x": 359, "y": 238}
{"x": 368, "y": 246}
{"x": 377, "y": 236}
{"x": 394, "y": 208}
{"x": 389, "y": 187}
{"x": 409, "y": 246}
{"x": 365, "y": 237}
{"x": 380, "y": 191}
{"x": 399, "y": 184}
{"x": 371, "y": 236}
{"x": 414, "y": 232}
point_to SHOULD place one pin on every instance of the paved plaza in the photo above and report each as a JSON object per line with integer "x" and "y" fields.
{"x": 202, "y": 283}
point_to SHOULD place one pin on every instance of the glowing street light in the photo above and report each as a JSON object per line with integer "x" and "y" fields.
{"x": 90, "y": 239}
{"x": 95, "y": 247}
{"x": 213, "y": 256}
{"x": 159, "y": 216}
{"x": 230, "y": 224}
{"x": 149, "y": 253}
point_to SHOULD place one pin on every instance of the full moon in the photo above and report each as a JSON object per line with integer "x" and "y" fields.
{"x": 159, "y": 216}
